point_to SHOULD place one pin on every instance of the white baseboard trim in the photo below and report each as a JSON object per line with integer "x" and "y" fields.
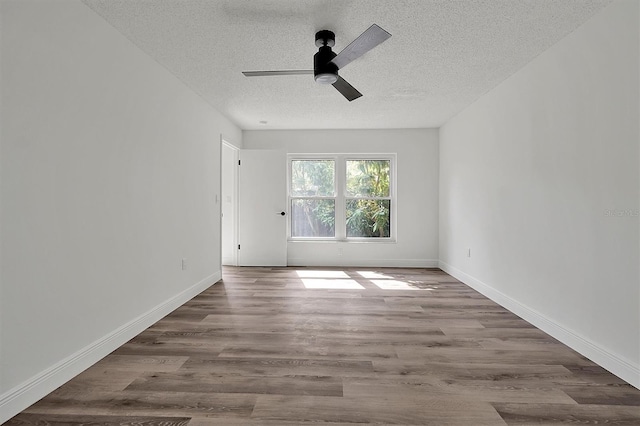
{"x": 622, "y": 368}
{"x": 22, "y": 396}
{"x": 369, "y": 263}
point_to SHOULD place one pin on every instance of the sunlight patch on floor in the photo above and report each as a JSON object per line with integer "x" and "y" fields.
{"x": 322, "y": 274}
{"x": 396, "y": 285}
{"x": 373, "y": 275}
{"x": 332, "y": 284}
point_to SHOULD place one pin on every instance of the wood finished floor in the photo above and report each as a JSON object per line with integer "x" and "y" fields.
{"x": 296, "y": 346}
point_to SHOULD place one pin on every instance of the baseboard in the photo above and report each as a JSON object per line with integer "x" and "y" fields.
{"x": 369, "y": 263}
{"x": 22, "y": 396}
{"x": 622, "y": 368}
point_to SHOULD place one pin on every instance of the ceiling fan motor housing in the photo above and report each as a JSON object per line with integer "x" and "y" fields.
{"x": 324, "y": 71}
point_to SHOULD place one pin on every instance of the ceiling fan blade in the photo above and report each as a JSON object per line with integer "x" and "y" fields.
{"x": 347, "y": 90}
{"x": 366, "y": 41}
{"x": 281, "y": 72}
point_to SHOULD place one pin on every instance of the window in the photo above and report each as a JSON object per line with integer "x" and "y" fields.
{"x": 338, "y": 197}
{"x": 313, "y": 198}
{"x": 368, "y": 199}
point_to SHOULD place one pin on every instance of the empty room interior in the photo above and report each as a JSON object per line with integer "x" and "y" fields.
{"x": 196, "y": 228}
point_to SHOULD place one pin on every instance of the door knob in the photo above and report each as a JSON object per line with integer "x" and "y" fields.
{"x": 282, "y": 213}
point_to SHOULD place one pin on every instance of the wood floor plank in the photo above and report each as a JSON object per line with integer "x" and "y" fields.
{"x": 140, "y": 363}
{"x": 306, "y": 294}
{"x": 486, "y": 356}
{"x": 211, "y": 383}
{"x": 71, "y": 420}
{"x": 139, "y": 403}
{"x": 603, "y": 394}
{"x": 311, "y": 351}
{"x": 392, "y": 409}
{"x": 495, "y": 332}
{"x": 200, "y": 421}
{"x": 592, "y": 373}
{"x": 168, "y": 348}
{"x": 563, "y": 414}
{"x": 98, "y": 379}
{"x": 279, "y": 366}
{"x": 410, "y": 347}
{"x": 476, "y": 390}
{"x": 457, "y": 370}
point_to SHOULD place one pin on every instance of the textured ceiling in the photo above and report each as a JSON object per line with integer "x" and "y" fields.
{"x": 444, "y": 54}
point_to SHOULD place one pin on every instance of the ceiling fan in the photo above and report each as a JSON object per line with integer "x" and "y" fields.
{"x": 326, "y": 63}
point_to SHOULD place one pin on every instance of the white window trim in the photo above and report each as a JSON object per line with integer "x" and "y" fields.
{"x": 341, "y": 197}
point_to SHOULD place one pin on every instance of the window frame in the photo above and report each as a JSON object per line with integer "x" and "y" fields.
{"x": 340, "y": 195}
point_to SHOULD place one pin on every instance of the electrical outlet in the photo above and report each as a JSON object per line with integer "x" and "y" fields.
{"x": 184, "y": 263}
{"x": 468, "y": 252}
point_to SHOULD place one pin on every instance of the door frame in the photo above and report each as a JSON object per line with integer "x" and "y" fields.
{"x": 235, "y": 191}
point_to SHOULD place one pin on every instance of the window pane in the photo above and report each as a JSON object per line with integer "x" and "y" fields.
{"x": 312, "y": 178}
{"x": 368, "y": 178}
{"x": 368, "y": 218}
{"x": 313, "y": 218}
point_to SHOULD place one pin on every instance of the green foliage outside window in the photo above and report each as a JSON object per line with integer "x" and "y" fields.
{"x": 368, "y": 217}
{"x": 367, "y": 178}
{"x": 313, "y": 217}
{"x": 312, "y": 178}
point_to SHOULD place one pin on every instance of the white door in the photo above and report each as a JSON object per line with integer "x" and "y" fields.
{"x": 229, "y": 183}
{"x": 262, "y": 222}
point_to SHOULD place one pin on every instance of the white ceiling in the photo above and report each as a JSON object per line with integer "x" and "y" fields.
{"x": 443, "y": 55}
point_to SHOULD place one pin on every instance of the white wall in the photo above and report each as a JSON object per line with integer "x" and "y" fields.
{"x": 109, "y": 171}
{"x": 539, "y": 178}
{"x": 417, "y": 184}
